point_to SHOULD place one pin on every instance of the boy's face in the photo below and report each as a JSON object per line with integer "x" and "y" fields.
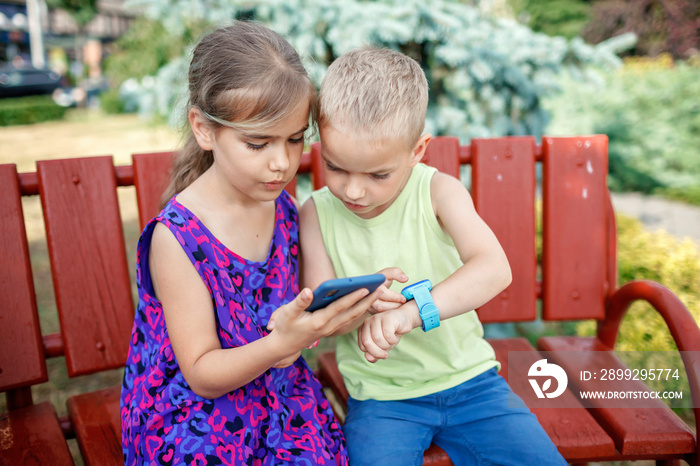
{"x": 367, "y": 175}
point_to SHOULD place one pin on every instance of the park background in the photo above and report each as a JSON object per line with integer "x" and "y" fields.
{"x": 629, "y": 69}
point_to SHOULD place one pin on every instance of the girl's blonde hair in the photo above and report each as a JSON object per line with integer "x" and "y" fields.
{"x": 243, "y": 76}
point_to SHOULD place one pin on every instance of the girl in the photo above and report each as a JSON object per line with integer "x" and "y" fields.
{"x": 206, "y": 382}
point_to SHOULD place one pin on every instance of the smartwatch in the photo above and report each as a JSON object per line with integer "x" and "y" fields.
{"x": 427, "y": 309}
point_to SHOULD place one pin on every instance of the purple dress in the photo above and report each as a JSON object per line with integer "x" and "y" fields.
{"x": 282, "y": 417}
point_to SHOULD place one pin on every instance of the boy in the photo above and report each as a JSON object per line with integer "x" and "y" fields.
{"x": 383, "y": 210}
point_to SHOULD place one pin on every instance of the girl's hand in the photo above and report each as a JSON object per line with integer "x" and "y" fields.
{"x": 389, "y": 299}
{"x": 382, "y": 332}
{"x": 292, "y": 327}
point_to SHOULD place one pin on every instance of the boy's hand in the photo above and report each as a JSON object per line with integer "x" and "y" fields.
{"x": 389, "y": 299}
{"x": 382, "y": 332}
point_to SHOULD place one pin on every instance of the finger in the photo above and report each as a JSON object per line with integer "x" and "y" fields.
{"x": 379, "y": 336}
{"x": 383, "y": 306}
{"x": 348, "y": 300}
{"x": 313, "y": 345}
{"x": 301, "y": 302}
{"x": 273, "y": 318}
{"x": 380, "y": 306}
{"x": 393, "y": 273}
{"x": 372, "y": 334}
{"x": 393, "y": 296}
{"x": 359, "y": 338}
{"x": 370, "y": 344}
{"x": 391, "y": 341}
{"x": 374, "y": 355}
{"x": 354, "y": 311}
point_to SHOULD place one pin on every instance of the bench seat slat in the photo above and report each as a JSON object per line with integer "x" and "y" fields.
{"x": 97, "y": 421}
{"x": 503, "y": 187}
{"x": 88, "y": 261}
{"x": 649, "y": 430}
{"x": 32, "y": 435}
{"x": 571, "y": 427}
{"x": 21, "y": 353}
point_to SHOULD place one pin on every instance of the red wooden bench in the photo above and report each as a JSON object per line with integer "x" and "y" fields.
{"x": 575, "y": 280}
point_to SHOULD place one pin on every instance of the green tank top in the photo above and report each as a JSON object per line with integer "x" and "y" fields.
{"x": 406, "y": 235}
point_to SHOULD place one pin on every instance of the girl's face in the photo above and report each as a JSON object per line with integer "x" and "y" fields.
{"x": 254, "y": 165}
{"x": 366, "y": 175}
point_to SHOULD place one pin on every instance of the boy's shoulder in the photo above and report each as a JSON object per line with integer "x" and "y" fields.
{"x": 422, "y": 171}
{"x": 321, "y": 195}
{"x": 445, "y": 184}
{"x": 320, "y": 198}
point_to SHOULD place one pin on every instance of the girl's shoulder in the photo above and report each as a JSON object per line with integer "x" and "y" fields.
{"x": 175, "y": 212}
{"x": 174, "y": 217}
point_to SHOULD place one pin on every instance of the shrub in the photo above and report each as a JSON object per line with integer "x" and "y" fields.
{"x": 110, "y": 102}
{"x": 488, "y": 75}
{"x": 554, "y": 17}
{"x": 145, "y": 48}
{"x": 650, "y": 110}
{"x": 689, "y": 195}
{"x": 655, "y": 256}
{"x": 29, "y": 110}
{"x": 662, "y": 26}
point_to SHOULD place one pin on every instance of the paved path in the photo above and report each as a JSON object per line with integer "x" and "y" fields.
{"x": 680, "y": 220}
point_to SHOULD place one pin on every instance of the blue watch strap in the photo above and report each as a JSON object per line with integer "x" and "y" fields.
{"x": 427, "y": 309}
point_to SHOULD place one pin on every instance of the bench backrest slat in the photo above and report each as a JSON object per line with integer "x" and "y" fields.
{"x": 443, "y": 154}
{"x": 318, "y": 181}
{"x": 151, "y": 178}
{"x": 88, "y": 261}
{"x": 575, "y": 228}
{"x": 21, "y": 352}
{"x": 291, "y": 187}
{"x": 503, "y": 188}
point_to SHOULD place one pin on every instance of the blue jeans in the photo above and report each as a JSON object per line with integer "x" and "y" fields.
{"x": 478, "y": 422}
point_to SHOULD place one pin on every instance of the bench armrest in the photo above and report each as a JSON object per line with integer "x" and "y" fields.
{"x": 684, "y": 329}
{"x": 680, "y": 322}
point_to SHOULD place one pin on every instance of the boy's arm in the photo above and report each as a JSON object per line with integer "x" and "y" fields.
{"x": 486, "y": 271}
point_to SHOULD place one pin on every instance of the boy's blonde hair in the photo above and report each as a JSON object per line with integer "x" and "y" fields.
{"x": 377, "y": 92}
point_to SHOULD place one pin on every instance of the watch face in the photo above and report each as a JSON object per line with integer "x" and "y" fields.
{"x": 410, "y": 290}
{"x": 421, "y": 283}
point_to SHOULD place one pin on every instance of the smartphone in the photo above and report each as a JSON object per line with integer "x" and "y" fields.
{"x": 330, "y": 290}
